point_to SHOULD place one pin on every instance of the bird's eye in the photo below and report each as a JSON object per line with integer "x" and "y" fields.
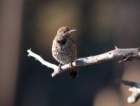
{"x": 66, "y": 29}
{"x": 62, "y": 42}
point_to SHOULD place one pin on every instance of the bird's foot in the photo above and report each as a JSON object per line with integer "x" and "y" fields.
{"x": 73, "y": 72}
{"x": 59, "y": 67}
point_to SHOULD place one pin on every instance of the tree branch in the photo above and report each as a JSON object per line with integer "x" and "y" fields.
{"x": 117, "y": 54}
{"x": 134, "y": 87}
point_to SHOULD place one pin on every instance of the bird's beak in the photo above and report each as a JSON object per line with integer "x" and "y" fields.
{"x": 72, "y": 30}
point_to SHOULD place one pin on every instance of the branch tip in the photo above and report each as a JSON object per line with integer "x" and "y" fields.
{"x": 29, "y": 51}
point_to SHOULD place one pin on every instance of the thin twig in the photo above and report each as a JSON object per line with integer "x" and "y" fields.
{"x": 120, "y": 55}
{"x": 134, "y": 87}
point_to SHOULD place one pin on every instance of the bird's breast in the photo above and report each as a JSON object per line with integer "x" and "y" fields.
{"x": 64, "y": 53}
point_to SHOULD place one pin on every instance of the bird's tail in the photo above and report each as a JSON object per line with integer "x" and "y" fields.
{"x": 73, "y": 72}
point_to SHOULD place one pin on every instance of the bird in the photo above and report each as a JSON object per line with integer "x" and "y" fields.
{"x": 64, "y": 48}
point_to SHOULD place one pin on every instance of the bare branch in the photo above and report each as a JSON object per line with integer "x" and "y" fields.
{"x": 117, "y": 54}
{"x": 134, "y": 87}
{"x": 43, "y": 62}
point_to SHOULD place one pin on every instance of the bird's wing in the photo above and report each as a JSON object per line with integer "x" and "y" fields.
{"x": 74, "y": 49}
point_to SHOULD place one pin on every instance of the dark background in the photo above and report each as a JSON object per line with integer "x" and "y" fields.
{"x": 101, "y": 25}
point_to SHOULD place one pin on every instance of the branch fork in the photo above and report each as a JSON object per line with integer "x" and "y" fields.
{"x": 120, "y": 55}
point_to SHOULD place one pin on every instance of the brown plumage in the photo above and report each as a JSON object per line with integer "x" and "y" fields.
{"x": 64, "y": 49}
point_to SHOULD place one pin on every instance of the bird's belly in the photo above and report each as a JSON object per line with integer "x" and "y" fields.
{"x": 64, "y": 56}
{"x": 63, "y": 59}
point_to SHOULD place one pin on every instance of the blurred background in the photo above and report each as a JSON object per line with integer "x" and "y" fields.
{"x": 101, "y": 25}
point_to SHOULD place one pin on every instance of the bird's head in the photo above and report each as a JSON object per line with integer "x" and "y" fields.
{"x": 65, "y": 31}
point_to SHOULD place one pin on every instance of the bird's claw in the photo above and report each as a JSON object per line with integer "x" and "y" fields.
{"x": 59, "y": 67}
